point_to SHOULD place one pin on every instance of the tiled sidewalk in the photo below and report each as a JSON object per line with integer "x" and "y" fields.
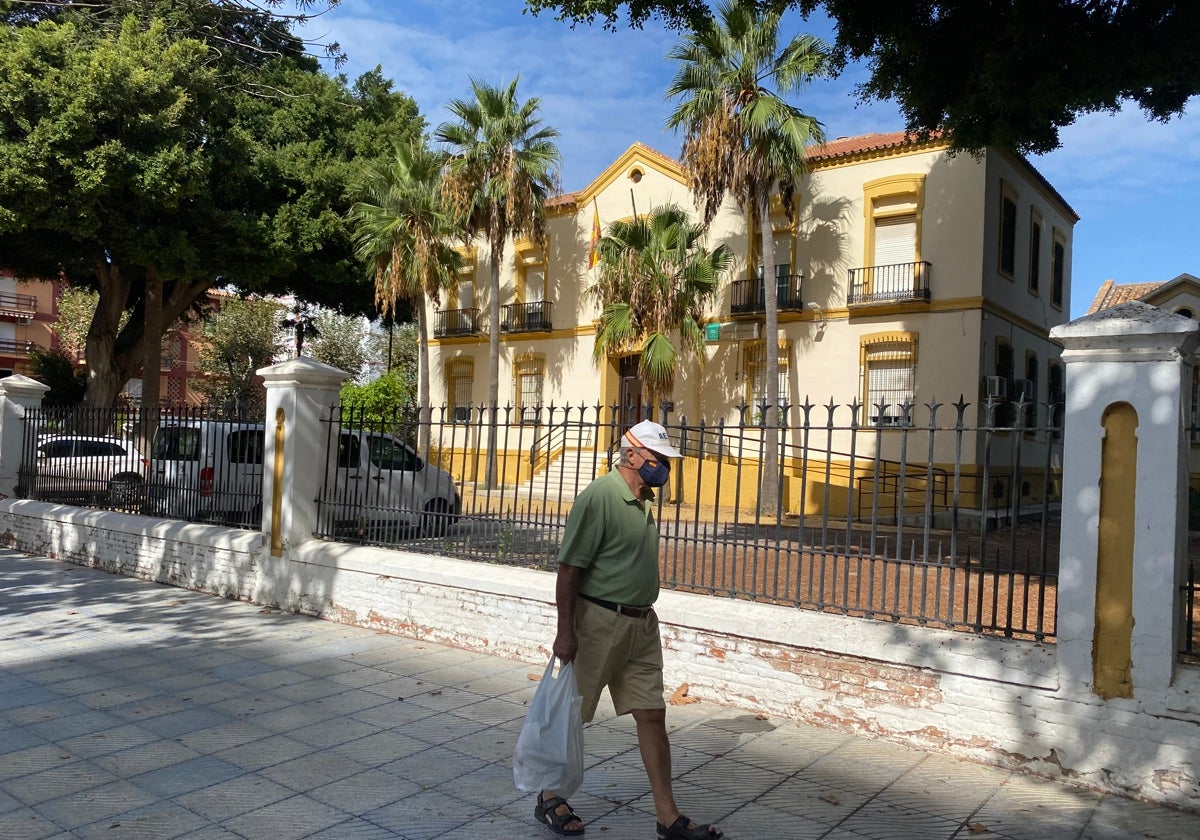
{"x": 133, "y": 710}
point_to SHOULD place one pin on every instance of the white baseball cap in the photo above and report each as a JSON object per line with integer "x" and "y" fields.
{"x": 649, "y": 435}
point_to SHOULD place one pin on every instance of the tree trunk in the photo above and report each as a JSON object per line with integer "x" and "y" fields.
{"x": 105, "y": 375}
{"x": 769, "y": 496}
{"x": 493, "y": 398}
{"x": 151, "y": 356}
{"x": 422, "y": 379}
{"x": 113, "y": 356}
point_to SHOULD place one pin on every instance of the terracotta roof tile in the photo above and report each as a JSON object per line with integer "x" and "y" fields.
{"x": 1111, "y": 294}
{"x": 843, "y": 146}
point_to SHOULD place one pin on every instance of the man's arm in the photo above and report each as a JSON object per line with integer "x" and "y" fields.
{"x": 566, "y": 588}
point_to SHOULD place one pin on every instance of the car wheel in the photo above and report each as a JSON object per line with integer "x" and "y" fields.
{"x": 436, "y": 519}
{"x": 125, "y": 491}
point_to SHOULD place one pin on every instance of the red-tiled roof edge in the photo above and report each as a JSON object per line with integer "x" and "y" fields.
{"x": 859, "y": 144}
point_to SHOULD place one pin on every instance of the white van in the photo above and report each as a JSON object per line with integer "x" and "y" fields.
{"x": 376, "y": 486}
{"x": 207, "y": 470}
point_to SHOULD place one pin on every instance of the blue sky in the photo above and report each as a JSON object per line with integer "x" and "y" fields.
{"x": 1134, "y": 183}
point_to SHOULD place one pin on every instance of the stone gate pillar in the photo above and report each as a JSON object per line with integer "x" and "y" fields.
{"x": 1125, "y": 494}
{"x": 18, "y": 394}
{"x": 301, "y": 394}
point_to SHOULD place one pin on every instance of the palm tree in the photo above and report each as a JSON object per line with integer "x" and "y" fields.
{"x": 655, "y": 280}
{"x": 403, "y": 232}
{"x": 503, "y": 164}
{"x": 742, "y": 139}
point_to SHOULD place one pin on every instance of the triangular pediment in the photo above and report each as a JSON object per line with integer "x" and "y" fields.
{"x": 639, "y": 155}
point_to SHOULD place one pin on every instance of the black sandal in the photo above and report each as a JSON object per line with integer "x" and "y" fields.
{"x": 679, "y": 830}
{"x": 547, "y": 814}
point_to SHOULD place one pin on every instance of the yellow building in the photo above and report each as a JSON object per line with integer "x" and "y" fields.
{"x": 909, "y": 274}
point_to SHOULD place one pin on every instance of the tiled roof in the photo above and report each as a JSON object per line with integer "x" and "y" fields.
{"x": 1110, "y": 294}
{"x": 844, "y": 146}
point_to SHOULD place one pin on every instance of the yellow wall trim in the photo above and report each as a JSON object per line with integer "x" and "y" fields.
{"x": 1112, "y": 642}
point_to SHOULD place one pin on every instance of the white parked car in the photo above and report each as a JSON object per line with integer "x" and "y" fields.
{"x": 207, "y": 470}
{"x": 376, "y": 485}
{"x": 84, "y": 469}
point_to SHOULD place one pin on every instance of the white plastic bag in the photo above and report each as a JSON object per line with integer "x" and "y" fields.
{"x": 549, "y": 752}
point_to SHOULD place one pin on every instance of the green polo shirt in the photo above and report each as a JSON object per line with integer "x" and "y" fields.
{"x": 612, "y": 535}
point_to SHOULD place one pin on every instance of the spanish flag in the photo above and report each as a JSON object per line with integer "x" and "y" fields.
{"x": 594, "y": 253}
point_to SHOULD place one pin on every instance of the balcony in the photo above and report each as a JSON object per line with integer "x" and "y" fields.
{"x": 889, "y": 283}
{"x": 452, "y": 322}
{"x": 12, "y": 347}
{"x": 527, "y": 317}
{"x": 14, "y": 307}
{"x": 747, "y": 297}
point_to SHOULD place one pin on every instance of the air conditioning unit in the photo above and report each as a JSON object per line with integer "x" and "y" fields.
{"x": 1025, "y": 388}
{"x": 996, "y": 387}
{"x": 462, "y": 414}
{"x": 887, "y": 420}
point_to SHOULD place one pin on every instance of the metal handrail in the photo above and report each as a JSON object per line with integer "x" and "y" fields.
{"x": 749, "y": 296}
{"x": 897, "y": 282}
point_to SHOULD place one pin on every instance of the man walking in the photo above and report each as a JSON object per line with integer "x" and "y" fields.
{"x": 607, "y": 585}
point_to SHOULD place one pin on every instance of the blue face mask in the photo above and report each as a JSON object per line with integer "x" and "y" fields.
{"x": 655, "y": 475}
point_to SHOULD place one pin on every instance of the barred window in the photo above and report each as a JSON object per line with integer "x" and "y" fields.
{"x": 755, "y": 370}
{"x": 889, "y": 373}
{"x": 529, "y": 375}
{"x": 460, "y": 381}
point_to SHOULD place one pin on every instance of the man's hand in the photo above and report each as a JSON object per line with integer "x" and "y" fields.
{"x": 566, "y": 645}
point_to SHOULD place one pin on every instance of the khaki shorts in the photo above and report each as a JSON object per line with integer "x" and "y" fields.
{"x": 621, "y": 652}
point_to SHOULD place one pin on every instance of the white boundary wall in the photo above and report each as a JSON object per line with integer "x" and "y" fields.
{"x": 985, "y": 699}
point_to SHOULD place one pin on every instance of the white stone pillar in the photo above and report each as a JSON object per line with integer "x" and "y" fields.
{"x": 18, "y": 394}
{"x": 301, "y": 394}
{"x": 1137, "y": 354}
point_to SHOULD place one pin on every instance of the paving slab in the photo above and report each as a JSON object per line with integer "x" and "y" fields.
{"x": 129, "y": 709}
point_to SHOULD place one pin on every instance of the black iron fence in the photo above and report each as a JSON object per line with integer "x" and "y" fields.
{"x": 964, "y": 536}
{"x": 948, "y": 519}
{"x": 187, "y": 463}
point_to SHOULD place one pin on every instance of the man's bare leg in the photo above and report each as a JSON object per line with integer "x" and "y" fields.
{"x": 656, "y": 757}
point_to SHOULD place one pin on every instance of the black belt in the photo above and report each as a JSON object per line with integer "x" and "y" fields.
{"x": 619, "y": 609}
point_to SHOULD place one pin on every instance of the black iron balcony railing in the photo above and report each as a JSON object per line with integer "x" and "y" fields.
{"x": 452, "y": 322}
{"x": 747, "y": 296}
{"x": 883, "y": 283}
{"x": 10, "y": 347}
{"x": 527, "y": 317}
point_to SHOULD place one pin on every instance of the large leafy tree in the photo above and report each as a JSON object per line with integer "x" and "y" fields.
{"x": 656, "y": 280}
{"x": 503, "y": 165}
{"x": 1005, "y": 73}
{"x": 146, "y": 165}
{"x": 744, "y": 140}
{"x": 404, "y": 234}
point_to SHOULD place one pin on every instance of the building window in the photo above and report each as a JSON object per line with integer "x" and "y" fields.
{"x": 1035, "y": 251}
{"x": 892, "y": 209}
{"x": 1002, "y": 395}
{"x": 1029, "y": 390}
{"x": 755, "y": 369}
{"x": 1055, "y": 396}
{"x": 888, "y": 369}
{"x": 1058, "y": 270}
{"x": 529, "y": 376}
{"x": 1008, "y": 231}
{"x": 460, "y": 381}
